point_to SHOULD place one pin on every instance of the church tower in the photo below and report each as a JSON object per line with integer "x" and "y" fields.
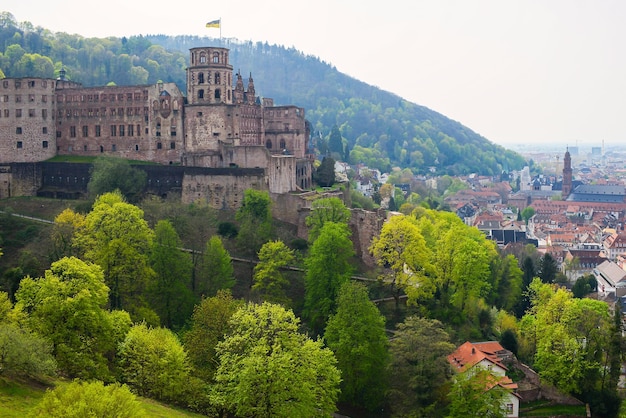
{"x": 566, "y": 189}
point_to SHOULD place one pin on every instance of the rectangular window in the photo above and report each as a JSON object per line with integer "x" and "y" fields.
{"x": 113, "y": 130}
{"x": 131, "y": 130}
{"x": 18, "y": 113}
{"x": 44, "y": 130}
{"x": 121, "y": 130}
{"x": 97, "y": 130}
{"x": 172, "y": 145}
{"x": 509, "y": 408}
{"x": 31, "y": 113}
{"x": 113, "y": 147}
{"x": 58, "y": 134}
{"x": 85, "y": 131}
{"x": 129, "y": 97}
{"x": 19, "y": 144}
{"x": 31, "y": 83}
{"x": 159, "y": 145}
{"x": 44, "y": 113}
{"x": 72, "y": 131}
{"x": 18, "y": 130}
{"x": 31, "y": 97}
{"x": 18, "y": 98}
{"x": 6, "y": 113}
{"x": 44, "y": 144}
{"x": 44, "y": 99}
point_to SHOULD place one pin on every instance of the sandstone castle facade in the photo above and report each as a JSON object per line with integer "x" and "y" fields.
{"x": 220, "y": 130}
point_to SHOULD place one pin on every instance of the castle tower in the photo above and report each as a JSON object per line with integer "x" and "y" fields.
{"x": 239, "y": 92}
{"x": 566, "y": 189}
{"x": 209, "y": 76}
{"x": 251, "y": 92}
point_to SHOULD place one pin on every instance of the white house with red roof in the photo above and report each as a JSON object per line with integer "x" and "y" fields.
{"x": 489, "y": 355}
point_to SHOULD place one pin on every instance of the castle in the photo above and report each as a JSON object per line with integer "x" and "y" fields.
{"x": 239, "y": 139}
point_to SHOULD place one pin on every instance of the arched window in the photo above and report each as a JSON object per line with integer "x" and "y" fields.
{"x": 202, "y": 58}
{"x": 216, "y": 58}
{"x": 201, "y": 78}
{"x": 268, "y": 144}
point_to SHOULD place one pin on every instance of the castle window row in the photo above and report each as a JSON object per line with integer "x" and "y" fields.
{"x": 116, "y": 130}
{"x": 31, "y": 113}
{"x": 102, "y": 112}
{"x": 18, "y": 84}
{"x": 18, "y": 98}
{"x": 104, "y": 97}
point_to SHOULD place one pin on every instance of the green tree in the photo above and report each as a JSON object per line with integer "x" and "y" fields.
{"x": 153, "y": 363}
{"x": 570, "y": 337}
{"x": 117, "y": 238}
{"x": 419, "y": 369}
{"x": 210, "y": 323}
{"x": 269, "y": 281}
{"x": 89, "y": 399}
{"x": 326, "y": 209}
{"x": 335, "y": 143}
{"x": 324, "y": 175}
{"x": 268, "y": 369}
{"x": 111, "y": 173}
{"x": 527, "y": 213}
{"x": 401, "y": 250}
{"x": 548, "y": 268}
{"x": 507, "y": 283}
{"x": 217, "y": 269}
{"x": 327, "y": 268}
{"x": 475, "y": 393}
{"x": 170, "y": 293}
{"x": 356, "y": 334}
{"x": 255, "y": 220}
{"x": 24, "y": 354}
{"x": 66, "y": 306}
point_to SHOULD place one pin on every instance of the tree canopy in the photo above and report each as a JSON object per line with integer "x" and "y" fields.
{"x": 268, "y": 369}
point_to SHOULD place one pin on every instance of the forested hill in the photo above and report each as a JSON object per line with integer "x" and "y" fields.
{"x": 379, "y": 129}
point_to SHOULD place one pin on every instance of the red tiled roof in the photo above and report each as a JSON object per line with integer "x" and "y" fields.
{"x": 467, "y": 355}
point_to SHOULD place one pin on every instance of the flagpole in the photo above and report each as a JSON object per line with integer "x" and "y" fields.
{"x": 220, "y": 28}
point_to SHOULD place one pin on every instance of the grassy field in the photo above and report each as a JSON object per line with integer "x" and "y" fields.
{"x": 17, "y": 399}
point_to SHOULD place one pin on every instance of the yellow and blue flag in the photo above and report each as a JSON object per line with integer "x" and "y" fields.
{"x": 214, "y": 24}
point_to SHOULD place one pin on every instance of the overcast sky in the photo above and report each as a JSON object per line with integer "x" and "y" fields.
{"x": 524, "y": 71}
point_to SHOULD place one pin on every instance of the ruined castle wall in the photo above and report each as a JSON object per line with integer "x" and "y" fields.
{"x": 286, "y": 130}
{"x": 24, "y": 179}
{"x": 365, "y": 226}
{"x": 282, "y": 173}
{"x": 134, "y": 122}
{"x": 208, "y": 125}
{"x": 221, "y": 188}
{"x": 27, "y": 120}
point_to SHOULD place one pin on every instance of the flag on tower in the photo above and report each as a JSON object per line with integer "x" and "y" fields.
{"x": 214, "y": 23}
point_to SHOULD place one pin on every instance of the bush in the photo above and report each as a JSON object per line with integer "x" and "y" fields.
{"x": 24, "y": 354}
{"x": 82, "y": 399}
{"x": 227, "y": 230}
